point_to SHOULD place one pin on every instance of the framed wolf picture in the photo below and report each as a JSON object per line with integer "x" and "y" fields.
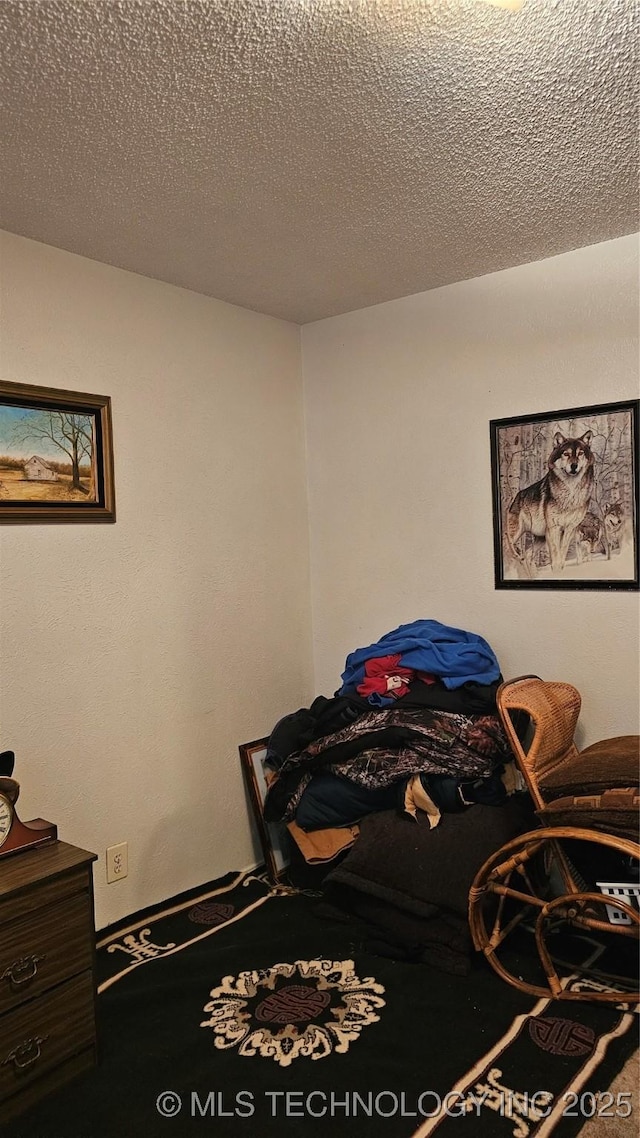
{"x": 565, "y": 498}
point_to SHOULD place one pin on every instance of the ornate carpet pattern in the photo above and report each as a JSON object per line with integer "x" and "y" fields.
{"x": 239, "y": 1010}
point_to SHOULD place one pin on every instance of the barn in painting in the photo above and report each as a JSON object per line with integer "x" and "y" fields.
{"x": 37, "y": 470}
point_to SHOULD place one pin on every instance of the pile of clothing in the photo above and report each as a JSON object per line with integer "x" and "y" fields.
{"x": 413, "y": 727}
{"x": 363, "y": 781}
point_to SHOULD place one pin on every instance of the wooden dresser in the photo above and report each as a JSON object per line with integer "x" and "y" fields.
{"x": 47, "y": 973}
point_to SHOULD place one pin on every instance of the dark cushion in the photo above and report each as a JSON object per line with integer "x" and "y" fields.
{"x": 602, "y": 766}
{"x": 406, "y": 864}
{"x": 612, "y": 812}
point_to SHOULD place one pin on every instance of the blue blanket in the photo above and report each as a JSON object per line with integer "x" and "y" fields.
{"x": 455, "y": 656}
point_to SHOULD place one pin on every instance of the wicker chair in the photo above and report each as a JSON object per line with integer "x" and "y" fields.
{"x": 588, "y": 804}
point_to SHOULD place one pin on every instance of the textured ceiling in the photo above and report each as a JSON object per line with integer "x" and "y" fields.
{"x": 309, "y": 157}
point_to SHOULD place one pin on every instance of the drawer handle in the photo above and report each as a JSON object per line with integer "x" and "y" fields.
{"x": 26, "y": 1054}
{"x": 22, "y": 970}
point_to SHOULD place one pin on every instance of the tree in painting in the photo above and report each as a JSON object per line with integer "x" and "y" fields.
{"x": 69, "y": 432}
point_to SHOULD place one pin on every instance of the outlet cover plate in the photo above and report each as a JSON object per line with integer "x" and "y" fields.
{"x": 117, "y": 862}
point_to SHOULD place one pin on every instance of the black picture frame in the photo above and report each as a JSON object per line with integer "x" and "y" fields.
{"x": 553, "y": 467}
{"x": 273, "y": 836}
{"x": 56, "y": 456}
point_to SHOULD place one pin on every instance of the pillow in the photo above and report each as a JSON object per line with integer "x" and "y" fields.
{"x": 602, "y": 766}
{"x": 614, "y": 811}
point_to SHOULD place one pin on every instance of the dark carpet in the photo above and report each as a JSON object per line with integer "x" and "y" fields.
{"x": 243, "y": 1011}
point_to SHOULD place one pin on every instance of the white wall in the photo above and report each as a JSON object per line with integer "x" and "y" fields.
{"x": 135, "y": 657}
{"x": 398, "y": 402}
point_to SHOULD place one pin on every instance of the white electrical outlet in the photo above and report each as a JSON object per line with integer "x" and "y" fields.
{"x": 117, "y": 862}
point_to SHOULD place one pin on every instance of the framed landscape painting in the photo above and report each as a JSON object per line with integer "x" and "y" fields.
{"x": 565, "y": 498}
{"x": 56, "y": 456}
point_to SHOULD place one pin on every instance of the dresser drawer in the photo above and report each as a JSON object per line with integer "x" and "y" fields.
{"x": 44, "y": 949}
{"x": 39, "y": 893}
{"x": 42, "y": 1034}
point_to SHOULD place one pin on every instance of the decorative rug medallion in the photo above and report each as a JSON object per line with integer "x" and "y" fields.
{"x": 312, "y": 1007}
{"x": 562, "y": 1036}
{"x": 210, "y": 913}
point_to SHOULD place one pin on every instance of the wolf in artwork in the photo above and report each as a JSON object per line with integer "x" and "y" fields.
{"x": 551, "y": 509}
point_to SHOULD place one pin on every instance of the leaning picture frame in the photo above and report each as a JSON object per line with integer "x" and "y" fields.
{"x": 565, "y": 498}
{"x": 273, "y": 835}
{"x": 56, "y": 456}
